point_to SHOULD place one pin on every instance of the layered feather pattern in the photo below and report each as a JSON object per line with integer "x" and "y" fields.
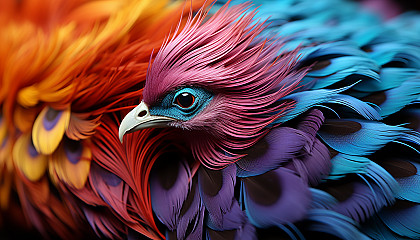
{"x": 301, "y": 120}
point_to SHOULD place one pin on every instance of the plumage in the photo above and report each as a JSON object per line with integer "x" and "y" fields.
{"x": 141, "y": 119}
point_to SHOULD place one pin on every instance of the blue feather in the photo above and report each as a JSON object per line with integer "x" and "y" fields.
{"x": 327, "y": 221}
{"x": 368, "y": 138}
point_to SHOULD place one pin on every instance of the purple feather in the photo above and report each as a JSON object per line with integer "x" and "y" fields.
{"x": 311, "y": 123}
{"x": 313, "y": 166}
{"x": 247, "y": 232}
{"x": 191, "y": 216}
{"x": 278, "y": 147}
{"x": 363, "y": 202}
{"x": 111, "y": 189}
{"x": 169, "y": 186}
{"x": 217, "y": 193}
{"x": 275, "y": 198}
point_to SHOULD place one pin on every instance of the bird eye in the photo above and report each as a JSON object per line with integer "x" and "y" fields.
{"x": 185, "y": 100}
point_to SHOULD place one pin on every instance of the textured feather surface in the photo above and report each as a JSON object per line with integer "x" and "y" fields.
{"x": 310, "y": 129}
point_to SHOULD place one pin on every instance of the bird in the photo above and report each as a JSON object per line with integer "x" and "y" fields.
{"x": 209, "y": 120}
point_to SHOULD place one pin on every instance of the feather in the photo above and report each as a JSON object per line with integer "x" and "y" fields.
{"x": 333, "y": 223}
{"x": 406, "y": 174}
{"x": 266, "y": 202}
{"x": 393, "y": 100}
{"x": 359, "y": 137}
{"x": 32, "y": 164}
{"x": 71, "y": 162}
{"x": 308, "y": 99}
{"x": 80, "y": 127}
{"x": 270, "y": 152}
{"x": 191, "y": 216}
{"x": 402, "y": 219}
{"x": 49, "y": 128}
{"x": 315, "y": 165}
{"x": 217, "y": 194}
{"x": 169, "y": 187}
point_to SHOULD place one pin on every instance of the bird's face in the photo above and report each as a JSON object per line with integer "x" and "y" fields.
{"x": 179, "y": 105}
{"x": 221, "y": 82}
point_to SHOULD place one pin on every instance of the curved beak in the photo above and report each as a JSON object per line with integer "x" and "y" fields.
{"x": 140, "y": 118}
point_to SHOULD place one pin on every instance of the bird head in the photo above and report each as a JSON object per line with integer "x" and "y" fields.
{"x": 220, "y": 82}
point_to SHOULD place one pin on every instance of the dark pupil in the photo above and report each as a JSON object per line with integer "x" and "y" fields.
{"x": 185, "y": 100}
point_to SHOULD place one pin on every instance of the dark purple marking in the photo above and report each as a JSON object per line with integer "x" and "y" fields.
{"x": 51, "y": 118}
{"x": 3, "y": 144}
{"x": 212, "y": 181}
{"x": 341, "y": 127}
{"x": 73, "y": 150}
{"x": 264, "y": 189}
{"x": 108, "y": 177}
{"x": 221, "y": 235}
{"x": 31, "y": 149}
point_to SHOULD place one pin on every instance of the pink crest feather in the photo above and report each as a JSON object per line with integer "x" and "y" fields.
{"x": 247, "y": 74}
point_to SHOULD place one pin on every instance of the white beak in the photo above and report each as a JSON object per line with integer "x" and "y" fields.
{"x": 140, "y": 118}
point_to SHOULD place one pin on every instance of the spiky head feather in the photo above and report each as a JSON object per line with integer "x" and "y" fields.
{"x": 247, "y": 74}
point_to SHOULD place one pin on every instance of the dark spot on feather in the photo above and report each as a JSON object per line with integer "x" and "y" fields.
{"x": 403, "y": 204}
{"x": 405, "y": 117}
{"x": 171, "y": 235}
{"x": 340, "y": 127}
{"x": 309, "y": 61}
{"x": 108, "y": 177}
{"x": 312, "y": 235}
{"x": 272, "y": 233}
{"x": 264, "y": 189}
{"x": 211, "y": 181}
{"x": 167, "y": 170}
{"x": 367, "y": 49}
{"x": 73, "y": 150}
{"x": 295, "y": 18}
{"x": 51, "y": 118}
{"x": 51, "y": 114}
{"x": 31, "y": 149}
{"x": 395, "y": 64}
{"x": 340, "y": 191}
{"x": 320, "y": 65}
{"x": 349, "y": 80}
{"x": 332, "y": 151}
{"x": 190, "y": 198}
{"x": 72, "y": 145}
{"x": 376, "y": 98}
{"x": 221, "y": 235}
{"x": 399, "y": 168}
{"x": 255, "y": 152}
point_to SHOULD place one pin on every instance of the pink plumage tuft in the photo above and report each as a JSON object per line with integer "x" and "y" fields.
{"x": 247, "y": 74}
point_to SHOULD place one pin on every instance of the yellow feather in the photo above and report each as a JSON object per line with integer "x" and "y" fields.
{"x": 74, "y": 175}
{"x": 33, "y": 167}
{"x": 46, "y": 141}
